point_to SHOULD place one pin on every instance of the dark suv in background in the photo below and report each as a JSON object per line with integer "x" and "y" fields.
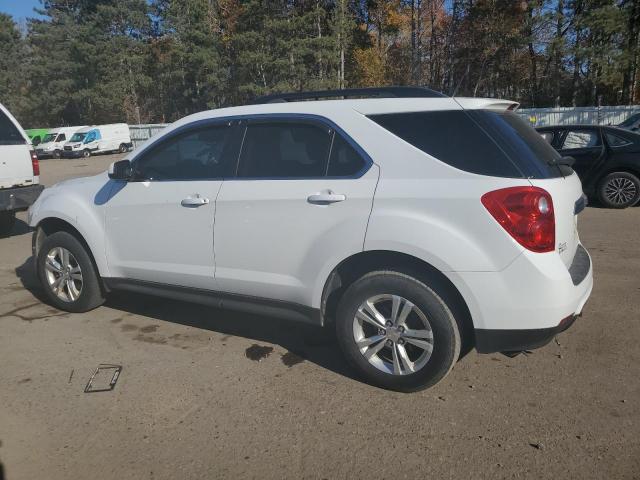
{"x": 607, "y": 160}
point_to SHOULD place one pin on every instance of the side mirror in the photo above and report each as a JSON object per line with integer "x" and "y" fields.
{"x": 121, "y": 170}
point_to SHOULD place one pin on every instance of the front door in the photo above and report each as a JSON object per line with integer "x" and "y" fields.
{"x": 160, "y": 224}
{"x": 300, "y": 202}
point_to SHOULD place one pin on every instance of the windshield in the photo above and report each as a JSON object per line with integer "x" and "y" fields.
{"x": 49, "y": 137}
{"x": 78, "y": 137}
{"x": 630, "y": 121}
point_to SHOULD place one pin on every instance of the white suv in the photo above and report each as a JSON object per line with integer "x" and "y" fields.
{"x": 19, "y": 171}
{"x": 420, "y": 227}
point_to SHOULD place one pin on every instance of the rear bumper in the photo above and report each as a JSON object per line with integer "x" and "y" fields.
{"x": 491, "y": 341}
{"x": 19, "y": 198}
{"x": 525, "y": 305}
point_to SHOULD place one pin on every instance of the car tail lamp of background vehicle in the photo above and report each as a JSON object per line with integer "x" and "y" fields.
{"x": 526, "y": 213}
{"x": 34, "y": 163}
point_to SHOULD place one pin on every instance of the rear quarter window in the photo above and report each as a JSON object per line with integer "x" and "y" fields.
{"x": 483, "y": 142}
{"x": 9, "y": 134}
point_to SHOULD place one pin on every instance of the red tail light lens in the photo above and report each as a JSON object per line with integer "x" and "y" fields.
{"x": 35, "y": 164}
{"x": 526, "y": 213}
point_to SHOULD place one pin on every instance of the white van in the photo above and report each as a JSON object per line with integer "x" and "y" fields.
{"x": 19, "y": 171}
{"x": 99, "y": 139}
{"x": 53, "y": 142}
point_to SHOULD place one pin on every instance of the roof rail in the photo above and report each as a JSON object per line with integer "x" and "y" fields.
{"x": 374, "y": 92}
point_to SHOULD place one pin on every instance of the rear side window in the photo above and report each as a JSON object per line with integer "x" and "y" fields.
{"x": 498, "y": 144}
{"x": 581, "y": 139}
{"x": 344, "y": 160}
{"x": 284, "y": 150}
{"x": 9, "y": 134}
{"x": 616, "y": 141}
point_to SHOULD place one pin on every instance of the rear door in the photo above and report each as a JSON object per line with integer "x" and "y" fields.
{"x": 300, "y": 202}
{"x": 586, "y": 146}
{"x": 15, "y": 158}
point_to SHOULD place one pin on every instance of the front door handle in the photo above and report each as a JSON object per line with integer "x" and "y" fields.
{"x": 326, "y": 198}
{"x": 194, "y": 201}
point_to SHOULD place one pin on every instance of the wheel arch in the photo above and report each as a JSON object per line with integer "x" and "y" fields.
{"x": 355, "y": 266}
{"x": 50, "y": 225}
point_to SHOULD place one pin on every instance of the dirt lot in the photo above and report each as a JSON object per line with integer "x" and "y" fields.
{"x": 193, "y": 401}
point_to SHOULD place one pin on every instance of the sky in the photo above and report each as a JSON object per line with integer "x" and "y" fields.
{"x": 20, "y": 9}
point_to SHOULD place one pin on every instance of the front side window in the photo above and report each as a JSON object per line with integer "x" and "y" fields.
{"x": 284, "y": 150}
{"x": 61, "y": 138}
{"x": 581, "y": 139}
{"x": 91, "y": 137}
{"x": 198, "y": 154}
{"x": 78, "y": 137}
{"x": 49, "y": 137}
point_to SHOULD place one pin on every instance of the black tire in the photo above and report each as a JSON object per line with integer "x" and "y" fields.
{"x": 446, "y": 334}
{"x": 619, "y": 190}
{"x": 123, "y": 148}
{"x": 86, "y": 153}
{"x": 91, "y": 295}
{"x": 57, "y": 154}
{"x": 7, "y": 221}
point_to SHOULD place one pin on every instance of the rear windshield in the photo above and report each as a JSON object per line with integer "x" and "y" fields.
{"x": 630, "y": 121}
{"x": 498, "y": 144}
{"x": 9, "y": 134}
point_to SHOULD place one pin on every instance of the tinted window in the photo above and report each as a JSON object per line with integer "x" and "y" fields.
{"x": 630, "y": 121}
{"x": 284, "y": 150}
{"x": 193, "y": 155}
{"x": 9, "y": 134}
{"x": 581, "y": 139}
{"x": 344, "y": 159}
{"x": 616, "y": 141}
{"x": 477, "y": 141}
{"x": 548, "y": 136}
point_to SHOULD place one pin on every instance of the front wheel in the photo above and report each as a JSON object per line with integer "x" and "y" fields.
{"x": 86, "y": 153}
{"x": 67, "y": 274}
{"x": 57, "y": 154}
{"x": 619, "y": 190}
{"x": 397, "y": 331}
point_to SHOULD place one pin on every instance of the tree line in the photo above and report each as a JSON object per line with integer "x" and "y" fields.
{"x": 145, "y": 61}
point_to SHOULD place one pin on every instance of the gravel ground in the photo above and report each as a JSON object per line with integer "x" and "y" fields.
{"x": 208, "y": 393}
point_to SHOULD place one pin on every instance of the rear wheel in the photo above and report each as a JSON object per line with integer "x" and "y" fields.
{"x": 67, "y": 274}
{"x": 619, "y": 190}
{"x": 397, "y": 331}
{"x": 123, "y": 148}
{"x": 86, "y": 153}
{"x": 7, "y": 221}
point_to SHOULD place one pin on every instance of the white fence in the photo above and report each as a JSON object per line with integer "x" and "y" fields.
{"x": 538, "y": 117}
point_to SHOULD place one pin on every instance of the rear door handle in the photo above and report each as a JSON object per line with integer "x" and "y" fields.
{"x": 326, "y": 198}
{"x": 194, "y": 201}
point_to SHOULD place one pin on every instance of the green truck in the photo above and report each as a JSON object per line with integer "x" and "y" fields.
{"x": 36, "y": 135}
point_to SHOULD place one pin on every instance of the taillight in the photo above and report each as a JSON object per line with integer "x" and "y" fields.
{"x": 35, "y": 164}
{"x": 526, "y": 213}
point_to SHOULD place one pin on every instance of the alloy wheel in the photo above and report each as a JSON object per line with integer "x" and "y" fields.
{"x": 620, "y": 190}
{"x": 63, "y": 274}
{"x": 393, "y": 334}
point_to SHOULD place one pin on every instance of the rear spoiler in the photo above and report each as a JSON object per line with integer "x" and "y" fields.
{"x": 468, "y": 103}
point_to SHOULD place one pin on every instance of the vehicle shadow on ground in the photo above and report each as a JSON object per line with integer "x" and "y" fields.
{"x": 20, "y": 228}
{"x": 303, "y": 342}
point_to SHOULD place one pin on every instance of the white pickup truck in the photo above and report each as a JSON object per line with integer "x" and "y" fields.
{"x": 19, "y": 171}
